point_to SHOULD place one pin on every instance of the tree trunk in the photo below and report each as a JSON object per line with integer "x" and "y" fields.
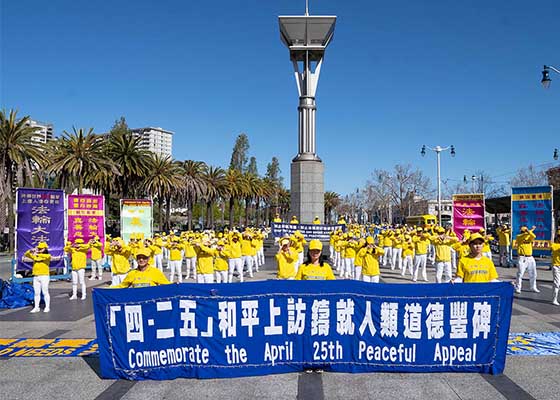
{"x": 167, "y": 212}
{"x": 208, "y": 212}
{"x": 189, "y": 213}
{"x": 231, "y": 204}
{"x": 247, "y": 205}
{"x": 160, "y": 206}
{"x": 257, "y": 209}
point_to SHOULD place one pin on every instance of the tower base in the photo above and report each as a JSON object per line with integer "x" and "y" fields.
{"x": 307, "y": 193}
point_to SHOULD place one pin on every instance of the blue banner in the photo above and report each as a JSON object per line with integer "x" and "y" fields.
{"x": 267, "y": 327}
{"x": 40, "y": 218}
{"x": 309, "y": 231}
{"x": 532, "y": 206}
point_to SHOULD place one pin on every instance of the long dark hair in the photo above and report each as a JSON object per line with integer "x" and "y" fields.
{"x": 322, "y": 259}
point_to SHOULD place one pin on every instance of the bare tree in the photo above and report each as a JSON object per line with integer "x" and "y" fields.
{"x": 529, "y": 176}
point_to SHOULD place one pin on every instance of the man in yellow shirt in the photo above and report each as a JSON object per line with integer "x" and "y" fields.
{"x": 145, "y": 275}
{"x": 369, "y": 258}
{"x": 120, "y": 253}
{"x": 526, "y": 261}
{"x": 277, "y": 219}
{"x": 442, "y": 247}
{"x": 235, "y": 261}
{"x": 78, "y": 251}
{"x": 421, "y": 244}
{"x": 556, "y": 267}
{"x": 294, "y": 220}
{"x": 476, "y": 268}
{"x": 504, "y": 233}
{"x": 96, "y": 258}
{"x": 316, "y": 221}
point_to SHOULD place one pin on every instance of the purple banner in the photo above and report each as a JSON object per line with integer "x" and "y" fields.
{"x": 468, "y": 213}
{"x": 86, "y": 218}
{"x": 40, "y": 218}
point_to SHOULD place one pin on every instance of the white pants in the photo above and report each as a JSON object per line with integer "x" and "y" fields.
{"x": 454, "y": 259}
{"x": 556, "y": 276}
{"x": 158, "y": 261}
{"x": 96, "y": 268}
{"x": 407, "y": 263}
{"x": 397, "y": 258}
{"x": 420, "y": 261}
{"x": 260, "y": 256}
{"x": 175, "y": 268}
{"x": 443, "y": 270}
{"x": 347, "y": 270}
{"x": 41, "y": 285}
{"x": 331, "y": 252}
{"x": 337, "y": 260}
{"x": 357, "y": 273}
{"x": 369, "y": 278}
{"x": 504, "y": 255}
{"x": 80, "y": 276}
{"x": 235, "y": 263}
{"x": 221, "y": 276}
{"x": 204, "y": 278}
{"x": 527, "y": 264}
{"x": 117, "y": 279}
{"x": 256, "y": 262}
{"x": 190, "y": 263}
{"x": 387, "y": 256}
{"x": 248, "y": 260}
{"x": 299, "y": 261}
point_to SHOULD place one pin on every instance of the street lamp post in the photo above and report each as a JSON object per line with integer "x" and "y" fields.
{"x": 545, "y": 81}
{"x": 438, "y": 150}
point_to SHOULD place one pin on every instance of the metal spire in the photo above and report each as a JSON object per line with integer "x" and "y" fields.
{"x": 306, "y": 7}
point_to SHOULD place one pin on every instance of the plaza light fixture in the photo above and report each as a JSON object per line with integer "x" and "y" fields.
{"x": 438, "y": 150}
{"x": 545, "y": 81}
{"x": 555, "y": 156}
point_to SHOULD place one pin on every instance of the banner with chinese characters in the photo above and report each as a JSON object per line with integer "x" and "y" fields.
{"x": 136, "y": 218}
{"x": 468, "y": 213}
{"x": 86, "y": 217}
{"x": 259, "y": 328}
{"x": 40, "y": 218}
{"x": 309, "y": 231}
{"x": 532, "y": 206}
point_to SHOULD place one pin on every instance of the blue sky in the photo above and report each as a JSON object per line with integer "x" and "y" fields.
{"x": 397, "y": 75}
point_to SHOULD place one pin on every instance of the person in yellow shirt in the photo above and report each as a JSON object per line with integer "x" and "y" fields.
{"x": 555, "y": 247}
{"x": 421, "y": 245}
{"x": 247, "y": 251}
{"x": 442, "y": 247}
{"x": 294, "y": 220}
{"x": 526, "y": 261}
{"x": 369, "y": 258}
{"x": 387, "y": 239}
{"x": 407, "y": 255}
{"x": 41, "y": 271}
{"x": 486, "y": 251}
{"x": 175, "y": 262}
{"x": 316, "y": 220}
{"x": 189, "y": 253}
{"x": 235, "y": 261}
{"x": 341, "y": 221}
{"x": 504, "y": 233}
{"x": 221, "y": 264}
{"x": 277, "y": 219}
{"x": 314, "y": 268}
{"x": 96, "y": 257}
{"x": 286, "y": 259}
{"x": 145, "y": 275}
{"x": 120, "y": 253}
{"x": 476, "y": 268}
{"x": 78, "y": 251}
{"x": 205, "y": 261}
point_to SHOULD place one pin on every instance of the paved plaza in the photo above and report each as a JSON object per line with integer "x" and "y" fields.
{"x": 525, "y": 377}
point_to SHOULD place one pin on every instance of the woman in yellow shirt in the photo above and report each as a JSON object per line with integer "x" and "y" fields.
{"x": 314, "y": 268}
{"x": 286, "y": 259}
{"x": 78, "y": 251}
{"x": 476, "y": 268}
{"x": 41, "y": 262}
{"x": 145, "y": 275}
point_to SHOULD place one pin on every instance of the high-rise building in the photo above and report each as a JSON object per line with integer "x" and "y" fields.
{"x": 44, "y": 133}
{"x": 156, "y": 140}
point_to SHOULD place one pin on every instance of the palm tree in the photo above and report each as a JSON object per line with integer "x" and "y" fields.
{"x": 215, "y": 179}
{"x": 284, "y": 202}
{"x": 164, "y": 178}
{"x": 251, "y": 191}
{"x": 235, "y": 187}
{"x": 124, "y": 149}
{"x": 20, "y": 156}
{"x": 332, "y": 200}
{"x": 76, "y": 158}
{"x": 193, "y": 186}
{"x": 265, "y": 191}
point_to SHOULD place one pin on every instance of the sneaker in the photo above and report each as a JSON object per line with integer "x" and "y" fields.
{"x": 518, "y": 290}
{"x": 536, "y": 290}
{"x": 99, "y": 278}
{"x": 555, "y": 302}
{"x": 74, "y": 297}
{"x": 35, "y": 310}
{"x": 91, "y": 278}
{"x": 83, "y": 297}
{"x": 47, "y": 310}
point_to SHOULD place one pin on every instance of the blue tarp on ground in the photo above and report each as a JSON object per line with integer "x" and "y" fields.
{"x": 15, "y": 295}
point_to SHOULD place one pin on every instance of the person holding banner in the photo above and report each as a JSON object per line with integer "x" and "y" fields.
{"x": 316, "y": 220}
{"x": 476, "y": 267}
{"x": 120, "y": 253}
{"x": 41, "y": 264}
{"x": 96, "y": 257}
{"x": 526, "y": 261}
{"x": 78, "y": 251}
{"x": 286, "y": 259}
{"x": 314, "y": 267}
{"x": 294, "y": 220}
{"x": 145, "y": 275}
{"x": 555, "y": 247}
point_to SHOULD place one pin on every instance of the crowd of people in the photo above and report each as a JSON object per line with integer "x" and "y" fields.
{"x": 357, "y": 253}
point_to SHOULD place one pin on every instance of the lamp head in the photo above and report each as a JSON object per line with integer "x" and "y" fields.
{"x": 545, "y": 81}
{"x": 464, "y": 178}
{"x": 555, "y": 156}
{"x": 452, "y": 151}
{"x": 423, "y": 151}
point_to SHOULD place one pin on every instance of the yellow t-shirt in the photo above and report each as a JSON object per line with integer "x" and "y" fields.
{"x": 151, "y": 276}
{"x": 308, "y": 272}
{"x": 476, "y": 270}
{"x": 555, "y": 254}
{"x": 41, "y": 263}
{"x": 286, "y": 264}
{"x": 370, "y": 260}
